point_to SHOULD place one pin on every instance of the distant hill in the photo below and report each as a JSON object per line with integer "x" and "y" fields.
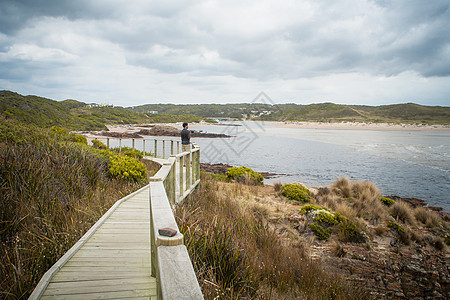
{"x": 408, "y": 113}
{"x": 70, "y": 114}
{"x": 74, "y": 115}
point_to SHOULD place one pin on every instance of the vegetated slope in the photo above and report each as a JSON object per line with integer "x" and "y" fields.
{"x": 53, "y": 188}
{"x": 70, "y": 114}
{"x": 408, "y": 113}
{"x": 206, "y": 110}
{"x": 259, "y": 242}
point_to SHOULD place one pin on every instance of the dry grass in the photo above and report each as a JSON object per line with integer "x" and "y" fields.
{"x": 51, "y": 193}
{"x": 238, "y": 253}
{"x": 429, "y": 218}
{"x": 380, "y": 230}
{"x": 403, "y": 212}
{"x": 354, "y": 199}
{"x": 277, "y": 186}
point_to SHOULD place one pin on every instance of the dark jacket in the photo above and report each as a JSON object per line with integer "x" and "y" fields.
{"x": 185, "y": 137}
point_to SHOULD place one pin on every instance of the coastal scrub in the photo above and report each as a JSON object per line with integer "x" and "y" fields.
{"x": 244, "y": 175}
{"x": 296, "y": 192}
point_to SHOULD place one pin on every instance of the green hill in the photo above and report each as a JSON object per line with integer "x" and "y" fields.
{"x": 408, "y": 113}
{"x": 70, "y": 114}
{"x": 75, "y": 115}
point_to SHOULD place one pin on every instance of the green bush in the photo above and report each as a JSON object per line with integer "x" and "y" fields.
{"x": 58, "y": 130}
{"x": 396, "y": 227}
{"x": 78, "y": 138}
{"x": 309, "y": 207}
{"x": 296, "y": 192}
{"x": 98, "y": 144}
{"x": 327, "y": 219}
{"x": 244, "y": 175}
{"x": 350, "y": 232}
{"x": 130, "y": 152}
{"x": 320, "y": 232}
{"x": 387, "y": 201}
{"x": 126, "y": 167}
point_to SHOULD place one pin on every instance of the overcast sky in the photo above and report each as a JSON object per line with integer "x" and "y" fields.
{"x": 303, "y": 51}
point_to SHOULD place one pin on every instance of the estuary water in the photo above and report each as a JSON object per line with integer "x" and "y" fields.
{"x": 403, "y": 163}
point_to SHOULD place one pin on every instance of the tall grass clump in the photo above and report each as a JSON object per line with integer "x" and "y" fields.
{"x": 236, "y": 255}
{"x": 403, "y": 212}
{"x": 52, "y": 190}
{"x": 354, "y": 199}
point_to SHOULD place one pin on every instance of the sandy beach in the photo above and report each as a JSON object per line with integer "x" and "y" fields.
{"x": 358, "y": 126}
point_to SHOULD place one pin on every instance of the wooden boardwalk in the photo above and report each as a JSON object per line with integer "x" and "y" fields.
{"x": 114, "y": 262}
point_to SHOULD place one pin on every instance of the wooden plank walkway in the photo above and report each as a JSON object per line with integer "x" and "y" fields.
{"x": 114, "y": 263}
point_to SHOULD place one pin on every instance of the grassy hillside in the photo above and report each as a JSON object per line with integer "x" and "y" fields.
{"x": 69, "y": 114}
{"x": 408, "y": 113}
{"x": 74, "y": 115}
{"x": 205, "y": 110}
{"x": 53, "y": 188}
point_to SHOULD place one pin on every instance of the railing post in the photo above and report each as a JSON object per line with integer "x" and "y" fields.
{"x": 107, "y": 143}
{"x": 171, "y": 147}
{"x": 164, "y": 149}
{"x": 143, "y": 146}
{"x": 156, "y": 148}
{"x": 132, "y": 143}
{"x": 198, "y": 164}
{"x": 188, "y": 170}
{"x": 120, "y": 145}
{"x": 180, "y": 163}
{"x": 178, "y": 147}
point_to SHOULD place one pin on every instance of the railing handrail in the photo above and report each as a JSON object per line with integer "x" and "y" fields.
{"x": 170, "y": 260}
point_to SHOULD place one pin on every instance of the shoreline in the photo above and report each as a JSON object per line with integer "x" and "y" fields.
{"x": 358, "y": 126}
{"x": 221, "y": 168}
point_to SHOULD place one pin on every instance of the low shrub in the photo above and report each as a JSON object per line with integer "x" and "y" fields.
{"x": 296, "y": 192}
{"x": 244, "y": 175}
{"x": 130, "y": 152}
{"x": 58, "y": 130}
{"x": 326, "y": 219}
{"x": 350, "y": 232}
{"x": 387, "y": 201}
{"x": 395, "y": 226}
{"x": 126, "y": 167}
{"x": 78, "y": 138}
{"x": 309, "y": 207}
{"x": 320, "y": 232}
{"x": 98, "y": 144}
{"x": 403, "y": 235}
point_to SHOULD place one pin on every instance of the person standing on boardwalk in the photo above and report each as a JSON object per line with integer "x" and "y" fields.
{"x": 185, "y": 140}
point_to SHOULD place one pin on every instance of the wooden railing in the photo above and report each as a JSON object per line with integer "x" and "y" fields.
{"x": 171, "y": 264}
{"x": 161, "y": 148}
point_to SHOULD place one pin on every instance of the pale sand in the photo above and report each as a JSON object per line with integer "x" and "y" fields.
{"x": 358, "y": 126}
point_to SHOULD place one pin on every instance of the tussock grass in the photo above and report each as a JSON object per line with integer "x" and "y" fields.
{"x": 51, "y": 192}
{"x": 427, "y": 217}
{"x": 354, "y": 199}
{"x": 236, "y": 254}
{"x": 403, "y": 212}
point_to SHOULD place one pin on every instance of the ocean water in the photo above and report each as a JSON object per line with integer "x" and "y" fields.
{"x": 403, "y": 163}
